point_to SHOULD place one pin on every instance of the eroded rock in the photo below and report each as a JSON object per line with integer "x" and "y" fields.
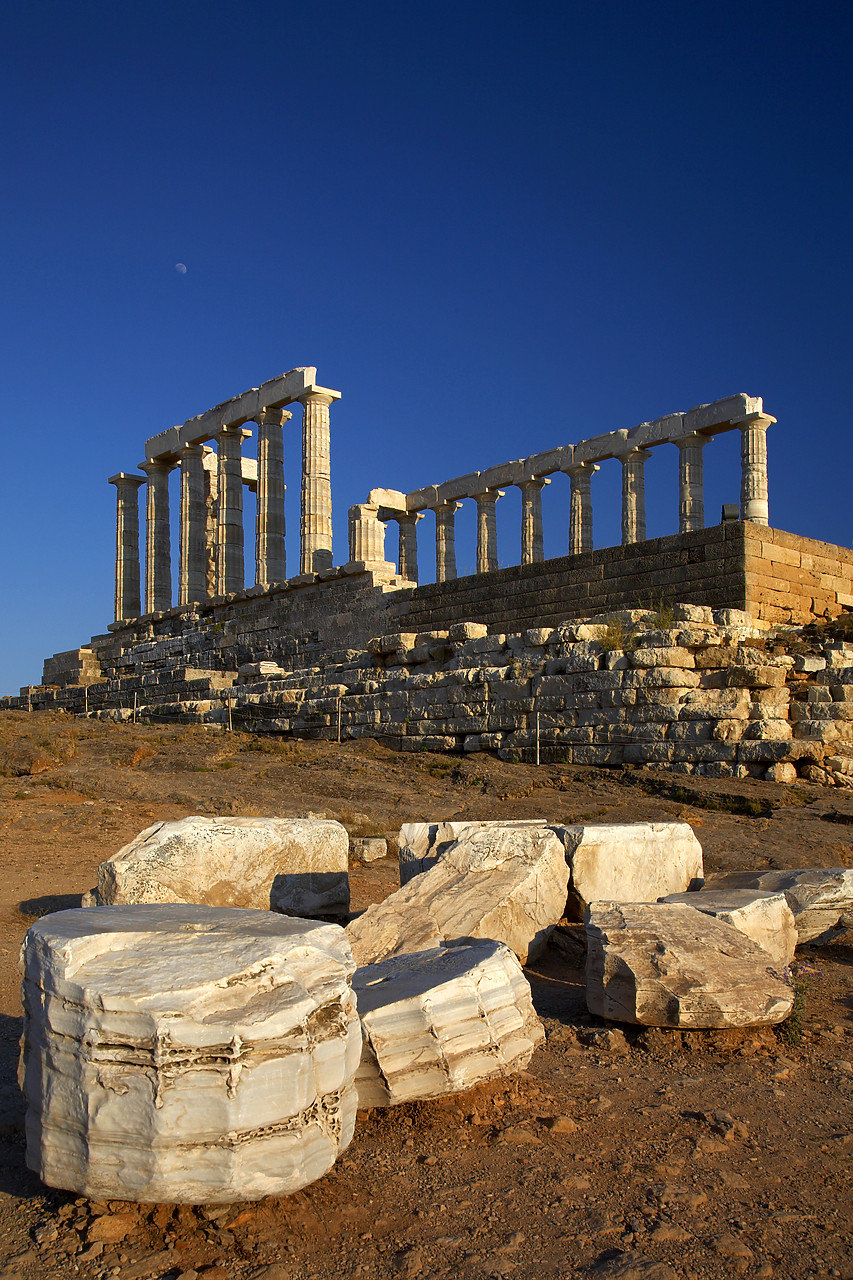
{"x": 440, "y": 1021}
{"x": 186, "y": 1054}
{"x": 817, "y": 896}
{"x": 630, "y": 862}
{"x": 294, "y": 865}
{"x": 764, "y": 917}
{"x": 668, "y": 965}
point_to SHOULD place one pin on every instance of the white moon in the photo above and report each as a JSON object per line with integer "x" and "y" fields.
{"x": 180, "y": 268}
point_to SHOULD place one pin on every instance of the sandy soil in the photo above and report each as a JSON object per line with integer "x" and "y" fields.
{"x": 706, "y": 1154}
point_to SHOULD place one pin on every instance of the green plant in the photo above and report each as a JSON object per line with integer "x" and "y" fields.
{"x": 799, "y": 976}
{"x": 615, "y": 637}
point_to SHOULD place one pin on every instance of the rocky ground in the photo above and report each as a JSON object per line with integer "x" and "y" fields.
{"x": 704, "y": 1154}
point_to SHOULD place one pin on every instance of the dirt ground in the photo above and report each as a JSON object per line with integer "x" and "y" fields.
{"x": 704, "y": 1154}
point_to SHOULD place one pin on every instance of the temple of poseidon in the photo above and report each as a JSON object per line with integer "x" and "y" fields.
{"x": 362, "y": 648}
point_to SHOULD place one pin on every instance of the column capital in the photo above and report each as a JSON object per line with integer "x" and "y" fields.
{"x": 192, "y": 451}
{"x": 230, "y": 432}
{"x": 536, "y": 482}
{"x": 636, "y": 455}
{"x": 127, "y": 478}
{"x": 755, "y": 420}
{"x": 271, "y": 417}
{"x": 583, "y": 469}
{"x": 692, "y": 439}
{"x": 319, "y": 395}
{"x": 492, "y": 492}
{"x": 452, "y": 505}
{"x": 157, "y": 466}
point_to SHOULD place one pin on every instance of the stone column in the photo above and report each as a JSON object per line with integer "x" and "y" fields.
{"x": 407, "y": 561}
{"x": 209, "y": 463}
{"x": 753, "y": 458}
{"x": 270, "y": 563}
{"x": 158, "y": 551}
{"x": 532, "y": 543}
{"x": 366, "y": 533}
{"x": 192, "y": 571}
{"x": 445, "y": 540}
{"x": 487, "y": 529}
{"x": 127, "y": 598}
{"x": 316, "y": 484}
{"x": 580, "y": 511}
{"x": 634, "y": 495}
{"x": 691, "y": 494}
{"x": 229, "y": 527}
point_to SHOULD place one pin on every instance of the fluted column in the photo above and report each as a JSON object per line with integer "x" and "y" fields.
{"x": 634, "y": 495}
{"x": 192, "y": 572}
{"x": 316, "y": 553}
{"x": 487, "y": 529}
{"x": 230, "y": 570}
{"x": 407, "y": 561}
{"x": 580, "y": 510}
{"x": 691, "y": 491}
{"x": 270, "y": 563}
{"x": 127, "y": 597}
{"x": 532, "y": 541}
{"x": 158, "y": 550}
{"x": 445, "y": 540}
{"x": 754, "y": 504}
{"x": 366, "y": 533}
{"x": 209, "y": 464}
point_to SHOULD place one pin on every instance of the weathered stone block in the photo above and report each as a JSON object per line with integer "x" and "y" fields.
{"x": 764, "y": 917}
{"x": 630, "y": 862}
{"x": 817, "y": 896}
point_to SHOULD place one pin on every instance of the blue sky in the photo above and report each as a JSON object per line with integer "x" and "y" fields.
{"x": 494, "y": 227}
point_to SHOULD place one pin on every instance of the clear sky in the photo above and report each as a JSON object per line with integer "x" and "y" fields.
{"x": 494, "y": 227}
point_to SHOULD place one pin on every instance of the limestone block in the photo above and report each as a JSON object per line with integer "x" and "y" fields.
{"x": 184, "y": 1053}
{"x": 662, "y": 657}
{"x": 817, "y": 896}
{"x": 368, "y": 848}
{"x": 505, "y": 881}
{"x": 294, "y": 865}
{"x": 462, "y": 631}
{"x": 764, "y": 917}
{"x": 442, "y": 1020}
{"x": 668, "y": 965}
{"x": 421, "y": 844}
{"x": 630, "y": 862}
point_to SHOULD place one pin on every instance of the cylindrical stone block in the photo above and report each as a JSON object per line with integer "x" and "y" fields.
{"x": 445, "y": 541}
{"x": 128, "y": 603}
{"x": 366, "y": 533}
{"x": 580, "y": 510}
{"x": 487, "y": 530}
{"x": 316, "y": 550}
{"x": 230, "y": 569}
{"x": 186, "y": 1054}
{"x": 192, "y": 575}
{"x": 754, "y": 504}
{"x": 158, "y": 549}
{"x": 407, "y": 563}
{"x": 634, "y": 495}
{"x": 270, "y": 563}
{"x": 532, "y": 542}
{"x": 691, "y": 492}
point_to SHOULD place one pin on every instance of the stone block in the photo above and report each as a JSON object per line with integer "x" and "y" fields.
{"x": 368, "y": 848}
{"x": 294, "y": 865}
{"x": 186, "y": 1054}
{"x": 765, "y": 917}
{"x": 818, "y": 896}
{"x": 460, "y": 632}
{"x": 630, "y": 862}
{"x": 668, "y": 965}
{"x": 443, "y": 1020}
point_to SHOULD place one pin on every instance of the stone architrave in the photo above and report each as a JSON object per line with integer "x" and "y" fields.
{"x": 294, "y": 865}
{"x": 186, "y": 1054}
{"x": 487, "y": 529}
{"x": 507, "y": 883}
{"x": 230, "y": 567}
{"x": 441, "y": 1021}
{"x": 158, "y": 552}
{"x": 532, "y": 539}
{"x": 818, "y": 896}
{"x": 668, "y": 965}
{"x": 634, "y": 495}
{"x": 580, "y": 509}
{"x": 691, "y": 491}
{"x": 316, "y": 540}
{"x": 630, "y": 862}
{"x": 128, "y": 603}
{"x": 270, "y": 562}
{"x": 407, "y": 562}
{"x": 764, "y": 917}
{"x": 192, "y": 575}
{"x": 754, "y": 503}
{"x": 445, "y": 540}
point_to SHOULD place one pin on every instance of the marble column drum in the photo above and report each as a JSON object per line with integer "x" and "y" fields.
{"x": 270, "y": 562}
{"x": 754, "y": 503}
{"x": 316, "y": 551}
{"x": 487, "y": 529}
{"x": 158, "y": 549}
{"x": 634, "y": 495}
{"x": 445, "y": 541}
{"x": 230, "y": 569}
{"x": 532, "y": 540}
{"x": 691, "y": 490}
{"x": 192, "y": 572}
{"x": 128, "y": 603}
{"x": 580, "y": 511}
{"x": 407, "y": 564}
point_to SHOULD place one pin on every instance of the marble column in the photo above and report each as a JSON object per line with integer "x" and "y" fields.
{"x": 230, "y": 568}
{"x": 691, "y": 493}
{"x": 316, "y": 553}
{"x": 580, "y": 510}
{"x": 445, "y": 540}
{"x": 366, "y": 533}
{"x": 532, "y": 542}
{"x": 270, "y": 563}
{"x": 158, "y": 550}
{"x": 753, "y": 457}
{"x": 487, "y": 529}
{"x": 634, "y": 495}
{"x": 192, "y": 571}
{"x": 407, "y": 562}
{"x": 209, "y": 464}
{"x": 127, "y": 598}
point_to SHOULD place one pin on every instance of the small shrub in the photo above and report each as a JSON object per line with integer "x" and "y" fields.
{"x": 799, "y": 976}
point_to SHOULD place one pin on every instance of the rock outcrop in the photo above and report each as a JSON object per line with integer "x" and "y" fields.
{"x": 184, "y": 1053}
{"x": 440, "y": 1021}
{"x": 669, "y": 965}
{"x": 295, "y": 865}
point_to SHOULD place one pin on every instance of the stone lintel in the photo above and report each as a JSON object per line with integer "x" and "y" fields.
{"x": 392, "y": 499}
{"x": 542, "y": 464}
{"x": 721, "y": 414}
{"x": 597, "y": 448}
{"x": 460, "y": 487}
{"x": 658, "y": 431}
{"x": 422, "y": 499}
{"x": 505, "y": 473}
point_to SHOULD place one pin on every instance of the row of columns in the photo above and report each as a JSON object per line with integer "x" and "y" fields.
{"x": 212, "y": 541}
{"x": 691, "y": 505}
